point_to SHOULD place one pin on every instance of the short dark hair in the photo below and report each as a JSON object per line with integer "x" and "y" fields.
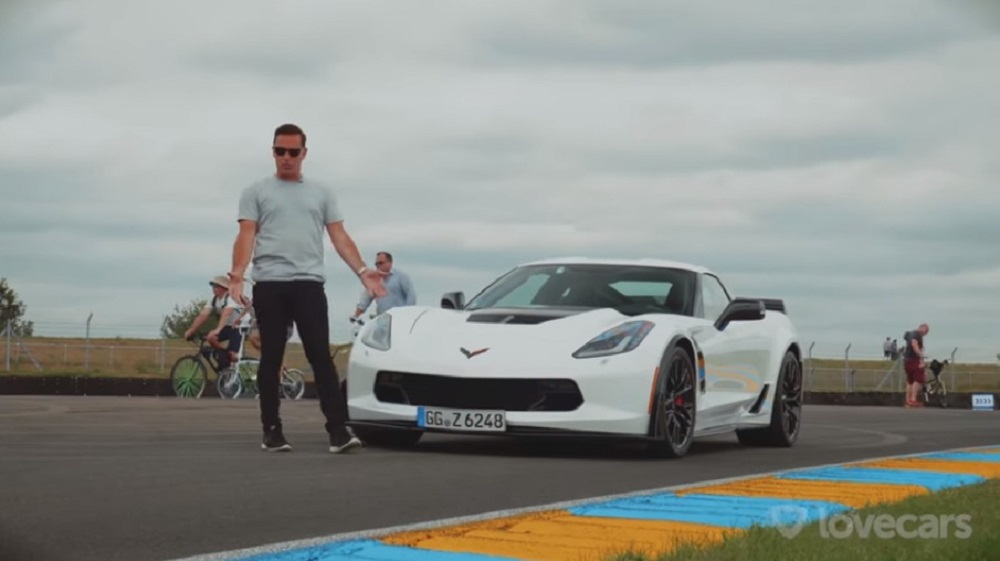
{"x": 387, "y": 255}
{"x": 289, "y": 128}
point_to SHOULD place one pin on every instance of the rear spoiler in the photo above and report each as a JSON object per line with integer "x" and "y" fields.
{"x": 775, "y": 304}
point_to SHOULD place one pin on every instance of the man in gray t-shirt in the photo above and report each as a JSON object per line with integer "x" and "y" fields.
{"x": 282, "y": 221}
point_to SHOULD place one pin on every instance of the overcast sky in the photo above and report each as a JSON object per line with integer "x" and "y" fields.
{"x": 841, "y": 156}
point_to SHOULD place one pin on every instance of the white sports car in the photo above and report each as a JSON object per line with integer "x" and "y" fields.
{"x": 627, "y": 349}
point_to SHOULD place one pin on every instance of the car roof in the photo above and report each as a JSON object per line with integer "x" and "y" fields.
{"x": 644, "y": 262}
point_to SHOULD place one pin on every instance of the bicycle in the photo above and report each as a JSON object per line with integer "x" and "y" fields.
{"x": 240, "y": 375}
{"x": 231, "y": 385}
{"x": 235, "y": 379}
{"x": 293, "y": 383}
{"x": 935, "y": 386}
{"x": 188, "y": 376}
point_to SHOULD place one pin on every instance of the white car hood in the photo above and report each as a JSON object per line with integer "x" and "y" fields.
{"x": 438, "y": 335}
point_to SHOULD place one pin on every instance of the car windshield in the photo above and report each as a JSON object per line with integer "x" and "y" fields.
{"x": 632, "y": 290}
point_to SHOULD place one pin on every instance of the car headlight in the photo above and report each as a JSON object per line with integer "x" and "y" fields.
{"x": 378, "y": 335}
{"x": 619, "y": 339}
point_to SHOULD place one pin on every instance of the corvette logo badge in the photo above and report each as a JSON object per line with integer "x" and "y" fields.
{"x": 470, "y": 354}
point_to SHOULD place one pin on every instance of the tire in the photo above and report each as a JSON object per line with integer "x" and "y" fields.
{"x": 675, "y": 408}
{"x": 293, "y": 384}
{"x": 786, "y": 410}
{"x": 229, "y": 384}
{"x": 388, "y": 438}
{"x": 188, "y": 377}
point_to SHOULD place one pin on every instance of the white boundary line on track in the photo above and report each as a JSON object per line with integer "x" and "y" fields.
{"x": 281, "y": 547}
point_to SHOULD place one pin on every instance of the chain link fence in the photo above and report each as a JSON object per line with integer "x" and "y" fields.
{"x": 153, "y": 358}
{"x": 149, "y": 358}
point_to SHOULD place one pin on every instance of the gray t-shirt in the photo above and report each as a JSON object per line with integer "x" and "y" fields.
{"x": 291, "y": 221}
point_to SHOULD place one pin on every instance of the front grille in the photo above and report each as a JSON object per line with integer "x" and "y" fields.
{"x": 508, "y": 394}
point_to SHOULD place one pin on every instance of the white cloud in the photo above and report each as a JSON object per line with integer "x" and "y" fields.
{"x": 842, "y": 157}
{"x": 494, "y": 236}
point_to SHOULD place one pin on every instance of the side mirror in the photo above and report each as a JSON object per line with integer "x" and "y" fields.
{"x": 741, "y": 310}
{"x": 453, "y": 300}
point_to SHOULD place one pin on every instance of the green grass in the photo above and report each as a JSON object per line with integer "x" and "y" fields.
{"x": 977, "y": 540}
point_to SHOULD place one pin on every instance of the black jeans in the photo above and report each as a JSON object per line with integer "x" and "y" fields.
{"x": 277, "y": 304}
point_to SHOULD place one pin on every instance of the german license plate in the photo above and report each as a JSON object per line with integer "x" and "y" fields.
{"x": 461, "y": 419}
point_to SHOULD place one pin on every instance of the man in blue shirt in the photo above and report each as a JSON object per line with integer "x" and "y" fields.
{"x": 398, "y": 286}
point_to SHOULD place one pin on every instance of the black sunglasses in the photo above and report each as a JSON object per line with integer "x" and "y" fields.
{"x": 293, "y": 152}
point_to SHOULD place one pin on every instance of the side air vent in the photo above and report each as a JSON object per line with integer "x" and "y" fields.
{"x": 760, "y": 399}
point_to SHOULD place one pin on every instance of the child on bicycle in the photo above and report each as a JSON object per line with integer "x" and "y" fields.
{"x": 229, "y": 312}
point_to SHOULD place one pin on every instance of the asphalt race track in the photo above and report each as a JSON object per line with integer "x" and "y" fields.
{"x": 138, "y": 478}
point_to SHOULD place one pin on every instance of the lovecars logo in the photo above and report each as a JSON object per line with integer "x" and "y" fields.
{"x": 790, "y": 520}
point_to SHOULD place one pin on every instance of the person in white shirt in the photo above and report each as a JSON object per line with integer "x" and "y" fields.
{"x": 229, "y": 312}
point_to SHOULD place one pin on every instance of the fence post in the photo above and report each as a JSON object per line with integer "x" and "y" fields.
{"x": 899, "y": 375}
{"x": 163, "y": 355}
{"x": 891, "y": 373}
{"x": 951, "y": 368}
{"x": 86, "y": 352}
{"x": 847, "y": 367}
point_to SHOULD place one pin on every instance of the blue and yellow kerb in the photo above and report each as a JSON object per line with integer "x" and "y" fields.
{"x": 659, "y": 522}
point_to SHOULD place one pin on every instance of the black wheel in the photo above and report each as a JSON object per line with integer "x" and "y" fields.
{"x": 188, "y": 377}
{"x": 388, "y": 438}
{"x": 786, "y": 413}
{"x": 674, "y": 410}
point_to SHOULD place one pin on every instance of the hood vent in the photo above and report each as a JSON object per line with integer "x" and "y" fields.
{"x": 521, "y": 316}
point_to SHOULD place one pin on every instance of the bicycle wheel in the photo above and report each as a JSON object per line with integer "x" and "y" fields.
{"x": 188, "y": 377}
{"x": 293, "y": 383}
{"x": 248, "y": 373}
{"x": 228, "y": 384}
{"x": 940, "y": 392}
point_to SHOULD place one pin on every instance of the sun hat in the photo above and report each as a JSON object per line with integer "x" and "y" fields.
{"x": 220, "y": 280}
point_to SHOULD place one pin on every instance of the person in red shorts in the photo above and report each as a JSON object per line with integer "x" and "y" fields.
{"x": 913, "y": 363}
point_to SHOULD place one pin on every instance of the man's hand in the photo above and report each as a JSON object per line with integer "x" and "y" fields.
{"x": 372, "y": 279}
{"x": 236, "y": 287}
